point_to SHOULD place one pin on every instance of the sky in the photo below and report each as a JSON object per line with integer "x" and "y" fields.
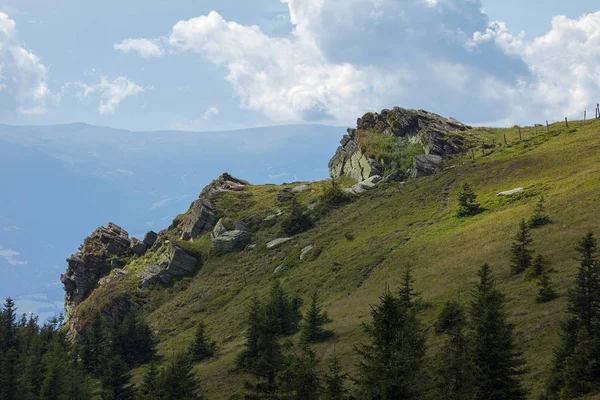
{"x": 230, "y": 64}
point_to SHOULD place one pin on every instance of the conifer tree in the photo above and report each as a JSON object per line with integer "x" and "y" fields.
{"x": 407, "y": 294}
{"x": 334, "y": 381}
{"x": 178, "y": 380}
{"x": 454, "y": 368}
{"x": 132, "y": 339}
{"x": 537, "y": 268}
{"x": 301, "y": 380}
{"x": 255, "y": 323}
{"x": 8, "y": 352}
{"x": 521, "y": 254}
{"x": 151, "y": 387}
{"x": 312, "y": 328}
{"x": 95, "y": 346}
{"x": 545, "y": 292}
{"x": 55, "y": 365}
{"x": 297, "y": 221}
{"x": 499, "y": 365}
{"x": 283, "y": 313}
{"x": 391, "y": 365}
{"x": 467, "y": 202}
{"x": 539, "y": 217}
{"x": 203, "y": 347}
{"x": 115, "y": 380}
{"x": 579, "y": 348}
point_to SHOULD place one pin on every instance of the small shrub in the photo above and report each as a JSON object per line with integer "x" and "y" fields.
{"x": 334, "y": 195}
{"x": 297, "y": 220}
{"x": 545, "y": 292}
{"x": 349, "y": 236}
{"x": 539, "y": 217}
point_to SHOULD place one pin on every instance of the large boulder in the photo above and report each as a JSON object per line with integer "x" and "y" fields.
{"x": 150, "y": 238}
{"x": 175, "y": 262}
{"x": 231, "y": 240}
{"x": 200, "y": 220}
{"x": 426, "y": 164}
{"x": 437, "y": 135}
{"x": 101, "y": 252}
{"x": 222, "y": 226}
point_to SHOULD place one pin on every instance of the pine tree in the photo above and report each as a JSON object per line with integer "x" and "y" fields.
{"x": 466, "y": 202}
{"x": 132, "y": 339}
{"x": 537, "y": 268}
{"x": 545, "y": 292}
{"x": 454, "y": 368}
{"x": 203, "y": 347}
{"x": 254, "y": 322}
{"x": 95, "y": 346}
{"x": 151, "y": 388}
{"x": 301, "y": 380}
{"x": 407, "y": 294}
{"x": 283, "y": 313}
{"x": 392, "y": 364}
{"x": 334, "y": 381}
{"x": 115, "y": 380}
{"x": 451, "y": 317}
{"x": 498, "y": 364}
{"x": 521, "y": 254}
{"x": 297, "y": 221}
{"x": 539, "y": 217}
{"x": 9, "y": 353}
{"x": 312, "y": 328}
{"x": 55, "y": 367}
{"x": 178, "y": 380}
{"x": 572, "y": 354}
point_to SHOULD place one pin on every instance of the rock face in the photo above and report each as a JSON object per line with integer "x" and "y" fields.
{"x": 223, "y": 183}
{"x": 150, "y": 238}
{"x": 436, "y": 134}
{"x": 175, "y": 262}
{"x": 200, "y": 220}
{"x": 231, "y": 240}
{"x": 97, "y": 256}
{"x": 426, "y": 164}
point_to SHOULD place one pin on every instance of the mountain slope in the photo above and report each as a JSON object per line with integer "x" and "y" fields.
{"x": 362, "y": 247}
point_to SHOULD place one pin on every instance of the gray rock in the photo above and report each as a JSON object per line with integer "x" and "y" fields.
{"x": 510, "y": 192}
{"x": 137, "y": 247}
{"x": 175, "y": 262}
{"x": 100, "y": 253}
{"x": 224, "y": 183}
{"x": 231, "y": 240}
{"x": 438, "y": 136}
{"x": 200, "y": 220}
{"x": 277, "y": 242}
{"x": 426, "y": 164}
{"x": 272, "y": 217}
{"x": 300, "y": 188}
{"x": 240, "y": 226}
{"x": 150, "y": 238}
{"x": 285, "y": 195}
{"x": 305, "y": 251}
{"x": 222, "y": 226}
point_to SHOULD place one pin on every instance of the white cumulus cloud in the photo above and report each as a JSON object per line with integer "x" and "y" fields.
{"x": 23, "y": 77}
{"x": 111, "y": 93}
{"x": 10, "y": 256}
{"x": 345, "y": 57}
{"x": 211, "y": 112}
{"x": 144, "y": 47}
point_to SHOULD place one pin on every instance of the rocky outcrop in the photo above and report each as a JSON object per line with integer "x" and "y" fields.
{"x": 200, "y": 220}
{"x": 437, "y": 135}
{"x": 426, "y": 164}
{"x": 150, "y": 238}
{"x": 367, "y": 184}
{"x": 285, "y": 195}
{"x": 100, "y": 253}
{"x": 175, "y": 262}
{"x": 231, "y": 240}
{"x": 223, "y": 183}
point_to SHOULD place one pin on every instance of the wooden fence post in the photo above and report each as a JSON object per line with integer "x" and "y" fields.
{"x": 536, "y": 129}
{"x": 584, "y": 115}
{"x": 547, "y": 127}
{"x": 245, "y": 282}
{"x": 265, "y": 263}
{"x": 472, "y": 154}
{"x": 566, "y": 122}
{"x": 520, "y": 137}
{"x": 505, "y": 142}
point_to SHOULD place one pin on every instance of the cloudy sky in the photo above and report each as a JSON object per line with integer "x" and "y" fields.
{"x": 210, "y": 65}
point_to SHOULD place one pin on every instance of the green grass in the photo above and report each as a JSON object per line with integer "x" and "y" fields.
{"x": 403, "y": 224}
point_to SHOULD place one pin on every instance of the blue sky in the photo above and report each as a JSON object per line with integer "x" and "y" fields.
{"x": 213, "y": 65}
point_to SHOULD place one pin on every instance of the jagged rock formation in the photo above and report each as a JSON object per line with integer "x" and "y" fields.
{"x": 200, "y": 220}
{"x": 97, "y": 256}
{"x": 175, "y": 262}
{"x": 437, "y": 135}
{"x": 426, "y": 164}
{"x": 223, "y": 183}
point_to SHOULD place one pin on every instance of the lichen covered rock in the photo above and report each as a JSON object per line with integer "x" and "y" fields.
{"x": 231, "y": 240}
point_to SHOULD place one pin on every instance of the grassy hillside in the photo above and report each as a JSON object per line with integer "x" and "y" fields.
{"x": 363, "y": 246}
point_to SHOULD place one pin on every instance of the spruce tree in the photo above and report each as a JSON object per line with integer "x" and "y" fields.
{"x": 539, "y": 217}
{"x": 203, "y": 347}
{"x": 283, "y": 313}
{"x": 454, "y": 367}
{"x": 115, "y": 380}
{"x": 334, "y": 381}
{"x": 9, "y": 353}
{"x": 545, "y": 292}
{"x": 579, "y": 348}
{"x": 391, "y": 365}
{"x": 537, "y": 268}
{"x": 178, "y": 381}
{"x": 312, "y": 328}
{"x": 297, "y": 221}
{"x": 521, "y": 254}
{"x": 132, "y": 339}
{"x": 499, "y": 365}
{"x": 150, "y": 388}
{"x": 301, "y": 379}
{"x": 255, "y": 323}
{"x": 467, "y": 202}
{"x": 407, "y": 294}
{"x": 95, "y": 346}
{"x": 55, "y": 367}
